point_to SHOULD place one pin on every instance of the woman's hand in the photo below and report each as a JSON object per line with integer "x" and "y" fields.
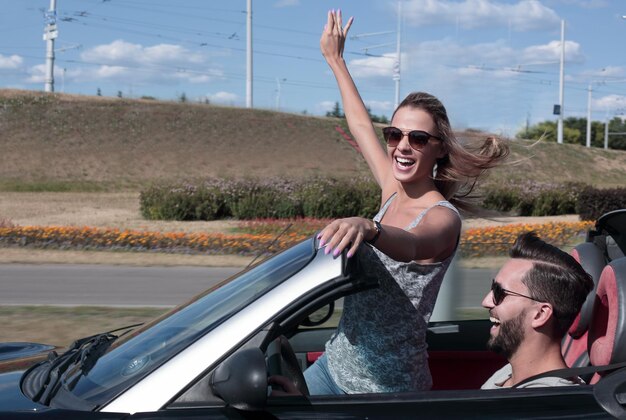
{"x": 342, "y": 233}
{"x": 334, "y": 36}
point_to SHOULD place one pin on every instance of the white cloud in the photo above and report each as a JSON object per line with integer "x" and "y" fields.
{"x": 223, "y": 97}
{"x": 126, "y": 62}
{"x": 37, "y": 73}
{"x": 373, "y": 66}
{"x": 287, "y": 3}
{"x": 552, "y": 51}
{"x": 521, "y": 16}
{"x": 380, "y": 106}
{"x": 608, "y": 73}
{"x": 324, "y": 107}
{"x": 610, "y": 102}
{"x": 587, "y": 4}
{"x": 122, "y": 52}
{"x": 10, "y": 62}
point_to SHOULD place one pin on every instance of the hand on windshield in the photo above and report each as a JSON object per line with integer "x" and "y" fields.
{"x": 334, "y": 35}
{"x": 344, "y": 233}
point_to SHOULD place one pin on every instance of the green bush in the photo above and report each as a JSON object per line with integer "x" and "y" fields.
{"x": 183, "y": 202}
{"x": 593, "y": 203}
{"x": 533, "y": 199}
{"x": 332, "y": 198}
{"x": 252, "y": 199}
{"x": 502, "y": 199}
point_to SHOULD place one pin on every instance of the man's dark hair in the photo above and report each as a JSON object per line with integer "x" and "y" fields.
{"x": 555, "y": 277}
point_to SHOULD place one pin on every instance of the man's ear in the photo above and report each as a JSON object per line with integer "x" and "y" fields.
{"x": 542, "y": 315}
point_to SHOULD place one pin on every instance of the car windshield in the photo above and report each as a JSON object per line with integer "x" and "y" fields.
{"x": 136, "y": 354}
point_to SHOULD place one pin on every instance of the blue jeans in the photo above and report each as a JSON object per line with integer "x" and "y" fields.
{"x": 318, "y": 379}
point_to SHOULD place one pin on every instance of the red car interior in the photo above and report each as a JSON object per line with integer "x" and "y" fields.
{"x": 607, "y": 332}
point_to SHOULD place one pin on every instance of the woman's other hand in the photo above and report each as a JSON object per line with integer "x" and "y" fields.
{"x": 334, "y": 36}
{"x": 343, "y": 233}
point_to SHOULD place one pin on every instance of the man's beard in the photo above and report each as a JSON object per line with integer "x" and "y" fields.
{"x": 509, "y": 338}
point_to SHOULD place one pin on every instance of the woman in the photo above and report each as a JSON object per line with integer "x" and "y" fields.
{"x": 380, "y": 344}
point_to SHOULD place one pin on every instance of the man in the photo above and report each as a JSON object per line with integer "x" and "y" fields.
{"x": 533, "y": 301}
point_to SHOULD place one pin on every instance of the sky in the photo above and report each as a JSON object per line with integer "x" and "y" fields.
{"x": 494, "y": 64}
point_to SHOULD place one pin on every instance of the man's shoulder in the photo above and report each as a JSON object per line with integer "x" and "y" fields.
{"x": 553, "y": 381}
{"x": 500, "y": 376}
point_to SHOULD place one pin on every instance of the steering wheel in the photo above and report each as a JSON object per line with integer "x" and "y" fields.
{"x": 281, "y": 360}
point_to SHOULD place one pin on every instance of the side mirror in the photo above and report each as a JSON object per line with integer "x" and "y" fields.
{"x": 241, "y": 380}
{"x": 320, "y": 316}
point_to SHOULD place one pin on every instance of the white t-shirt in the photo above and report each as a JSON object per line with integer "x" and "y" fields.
{"x": 501, "y": 376}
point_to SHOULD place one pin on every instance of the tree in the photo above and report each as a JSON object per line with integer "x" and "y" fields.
{"x": 617, "y": 141}
{"x": 99, "y": 92}
{"x": 575, "y": 132}
{"x": 336, "y": 112}
{"x": 375, "y": 118}
{"x": 182, "y": 98}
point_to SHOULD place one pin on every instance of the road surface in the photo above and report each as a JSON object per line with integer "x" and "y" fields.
{"x": 68, "y": 284}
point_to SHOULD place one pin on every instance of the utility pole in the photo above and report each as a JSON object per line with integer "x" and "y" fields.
{"x": 249, "y": 56}
{"x": 396, "y": 69}
{"x": 49, "y": 35}
{"x": 561, "y": 85}
{"x": 589, "y": 90}
{"x": 278, "y": 92}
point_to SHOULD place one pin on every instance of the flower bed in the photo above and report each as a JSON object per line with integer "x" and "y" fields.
{"x": 261, "y": 236}
{"x": 497, "y": 240}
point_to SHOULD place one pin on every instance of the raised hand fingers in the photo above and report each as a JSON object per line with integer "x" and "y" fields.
{"x": 329, "y": 22}
{"x": 347, "y": 27}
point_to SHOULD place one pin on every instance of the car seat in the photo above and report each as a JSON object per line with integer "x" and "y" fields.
{"x": 604, "y": 243}
{"x": 574, "y": 346}
{"x": 607, "y": 329}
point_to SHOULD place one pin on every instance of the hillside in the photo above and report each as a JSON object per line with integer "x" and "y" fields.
{"x": 95, "y": 143}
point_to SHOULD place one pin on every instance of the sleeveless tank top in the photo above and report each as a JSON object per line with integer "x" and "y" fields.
{"x": 380, "y": 343}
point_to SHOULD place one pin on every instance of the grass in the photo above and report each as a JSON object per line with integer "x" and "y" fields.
{"x": 15, "y": 185}
{"x": 60, "y": 325}
{"x": 85, "y": 143}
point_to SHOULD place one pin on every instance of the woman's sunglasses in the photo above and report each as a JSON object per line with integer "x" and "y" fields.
{"x": 499, "y": 293}
{"x": 417, "y": 138}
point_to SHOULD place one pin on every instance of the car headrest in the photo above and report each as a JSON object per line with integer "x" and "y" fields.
{"x": 592, "y": 260}
{"x": 607, "y": 330}
{"x": 613, "y": 224}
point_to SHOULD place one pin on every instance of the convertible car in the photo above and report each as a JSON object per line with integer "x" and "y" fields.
{"x": 211, "y": 357}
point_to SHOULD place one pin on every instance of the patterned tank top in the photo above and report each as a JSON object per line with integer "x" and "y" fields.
{"x": 380, "y": 343}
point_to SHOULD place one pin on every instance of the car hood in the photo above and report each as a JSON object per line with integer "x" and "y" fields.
{"x": 11, "y": 397}
{"x": 15, "y": 358}
{"x": 11, "y": 351}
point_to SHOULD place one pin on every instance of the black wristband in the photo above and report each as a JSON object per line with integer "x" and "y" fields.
{"x": 379, "y": 229}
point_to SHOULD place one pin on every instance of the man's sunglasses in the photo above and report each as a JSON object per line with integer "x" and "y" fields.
{"x": 417, "y": 138}
{"x": 499, "y": 293}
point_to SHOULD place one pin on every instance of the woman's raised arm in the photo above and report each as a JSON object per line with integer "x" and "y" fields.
{"x": 332, "y": 43}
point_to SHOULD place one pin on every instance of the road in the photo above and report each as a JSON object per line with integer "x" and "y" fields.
{"x": 67, "y": 284}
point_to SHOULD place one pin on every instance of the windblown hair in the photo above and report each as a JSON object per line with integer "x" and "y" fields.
{"x": 458, "y": 171}
{"x": 556, "y": 277}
